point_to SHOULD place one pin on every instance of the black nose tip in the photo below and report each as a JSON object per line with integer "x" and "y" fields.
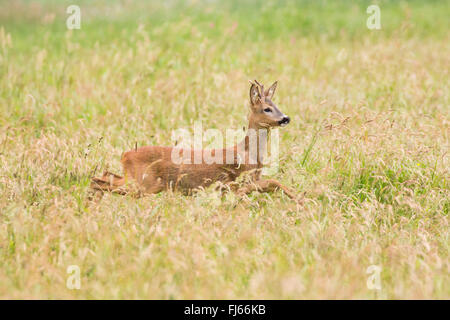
{"x": 285, "y": 120}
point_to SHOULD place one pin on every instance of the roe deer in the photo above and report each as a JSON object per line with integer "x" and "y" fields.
{"x": 154, "y": 170}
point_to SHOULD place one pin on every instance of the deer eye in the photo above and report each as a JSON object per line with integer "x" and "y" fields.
{"x": 267, "y": 110}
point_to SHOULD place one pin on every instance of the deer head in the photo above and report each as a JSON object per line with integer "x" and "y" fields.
{"x": 264, "y": 113}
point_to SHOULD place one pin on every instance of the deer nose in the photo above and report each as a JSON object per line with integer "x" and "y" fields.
{"x": 284, "y": 121}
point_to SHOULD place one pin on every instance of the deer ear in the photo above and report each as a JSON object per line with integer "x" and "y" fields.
{"x": 270, "y": 92}
{"x": 254, "y": 94}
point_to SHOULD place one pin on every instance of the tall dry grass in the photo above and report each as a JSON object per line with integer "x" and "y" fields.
{"x": 368, "y": 143}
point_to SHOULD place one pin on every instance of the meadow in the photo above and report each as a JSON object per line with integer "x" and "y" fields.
{"x": 367, "y": 148}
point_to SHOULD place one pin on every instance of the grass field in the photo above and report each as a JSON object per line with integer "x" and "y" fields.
{"x": 368, "y": 143}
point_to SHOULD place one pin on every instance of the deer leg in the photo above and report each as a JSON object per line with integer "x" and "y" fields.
{"x": 229, "y": 186}
{"x": 268, "y": 185}
{"x": 109, "y": 182}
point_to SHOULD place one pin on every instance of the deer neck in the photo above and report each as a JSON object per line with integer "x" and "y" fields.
{"x": 254, "y": 144}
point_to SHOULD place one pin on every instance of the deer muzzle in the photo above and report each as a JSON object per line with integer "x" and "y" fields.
{"x": 284, "y": 121}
